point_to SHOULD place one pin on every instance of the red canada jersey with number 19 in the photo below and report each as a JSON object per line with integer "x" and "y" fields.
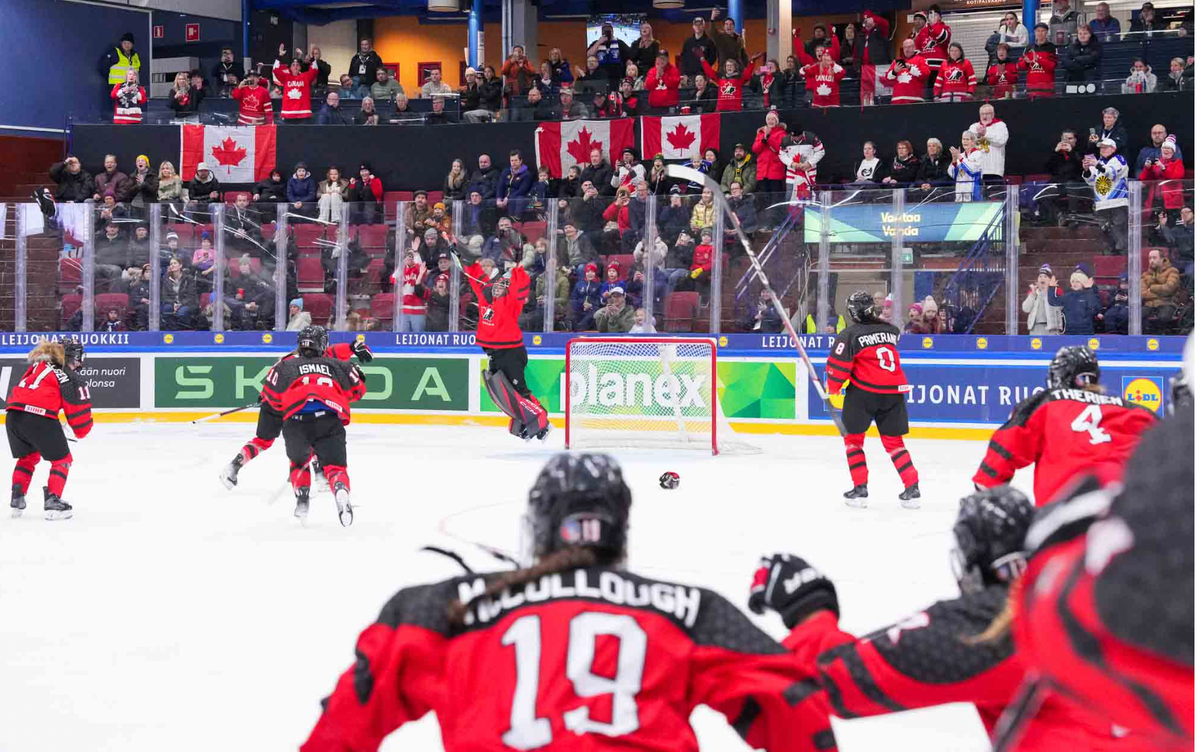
{"x": 1064, "y": 431}
{"x": 866, "y": 356}
{"x": 586, "y": 659}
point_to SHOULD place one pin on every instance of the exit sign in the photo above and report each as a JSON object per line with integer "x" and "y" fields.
{"x": 191, "y": 32}
{"x": 906, "y": 256}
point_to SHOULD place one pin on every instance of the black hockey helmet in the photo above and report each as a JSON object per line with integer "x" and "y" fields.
{"x": 989, "y": 537}
{"x": 72, "y": 352}
{"x": 579, "y": 500}
{"x": 861, "y": 307}
{"x": 1073, "y": 367}
{"x": 312, "y": 341}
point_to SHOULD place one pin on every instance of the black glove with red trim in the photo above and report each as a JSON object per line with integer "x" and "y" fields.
{"x": 792, "y": 587}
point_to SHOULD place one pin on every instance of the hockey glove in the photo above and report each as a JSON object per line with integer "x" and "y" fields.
{"x": 360, "y": 349}
{"x": 792, "y": 587}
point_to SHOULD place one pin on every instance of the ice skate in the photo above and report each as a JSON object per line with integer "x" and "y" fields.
{"x": 541, "y": 436}
{"x": 56, "y": 508}
{"x": 320, "y": 482}
{"x": 18, "y": 502}
{"x": 910, "y": 499}
{"x": 856, "y": 497}
{"x": 301, "y": 503}
{"x": 341, "y": 495}
{"x": 229, "y": 474}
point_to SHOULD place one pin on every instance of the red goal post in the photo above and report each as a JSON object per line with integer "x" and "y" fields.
{"x": 645, "y": 392}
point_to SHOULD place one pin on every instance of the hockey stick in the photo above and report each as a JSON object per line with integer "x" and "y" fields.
{"x": 310, "y": 219}
{"x": 214, "y": 416}
{"x": 1020, "y": 711}
{"x": 687, "y": 173}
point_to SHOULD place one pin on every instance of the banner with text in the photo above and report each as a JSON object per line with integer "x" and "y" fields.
{"x": 392, "y": 383}
{"x": 878, "y": 223}
{"x": 115, "y": 383}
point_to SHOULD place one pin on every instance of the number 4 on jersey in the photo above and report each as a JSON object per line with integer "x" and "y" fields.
{"x": 1088, "y": 422}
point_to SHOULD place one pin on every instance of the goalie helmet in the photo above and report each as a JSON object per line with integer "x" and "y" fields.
{"x": 989, "y": 537}
{"x": 1073, "y": 368}
{"x": 312, "y": 341}
{"x": 72, "y": 352}
{"x": 861, "y": 307}
{"x": 578, "y": 500}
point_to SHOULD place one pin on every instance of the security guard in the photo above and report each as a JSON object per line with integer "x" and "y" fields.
{"x": 117, "y": 61}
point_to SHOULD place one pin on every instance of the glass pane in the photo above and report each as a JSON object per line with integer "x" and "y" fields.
{"x": 775, "y": 228}
{"x": 53, "y": 249}
{"x": 1168, "y": 235}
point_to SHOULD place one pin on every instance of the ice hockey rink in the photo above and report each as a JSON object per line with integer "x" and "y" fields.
{"x": 171, "y": 614}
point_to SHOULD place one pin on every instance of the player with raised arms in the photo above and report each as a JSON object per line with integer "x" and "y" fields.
{"x": 573, "y": 652}
{"x": 958, "y": 650}
{"x": 312, "y": 393}
{"x": 1070, "y": 427}
{"x": 865, "y": 358}
{"x": 51, "y": 383}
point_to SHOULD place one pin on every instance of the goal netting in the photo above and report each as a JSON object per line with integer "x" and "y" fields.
{"x": 642, "y": 392}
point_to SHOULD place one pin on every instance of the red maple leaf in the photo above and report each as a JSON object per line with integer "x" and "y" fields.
{"x": 680, "y": 138}
{"x": 229, "y": 153}
{"x": 581, "y": 147}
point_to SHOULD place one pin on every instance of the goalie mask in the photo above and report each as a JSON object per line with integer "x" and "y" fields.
{"x": 578, "y": 500}
{"x": 989, "y": 536}
{"x": 861, "y": 307}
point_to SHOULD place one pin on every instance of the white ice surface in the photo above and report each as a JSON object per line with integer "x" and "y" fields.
{"x": 170, "y": 614}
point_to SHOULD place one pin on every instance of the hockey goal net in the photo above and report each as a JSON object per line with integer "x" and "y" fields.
{"x": 639, "y": 392}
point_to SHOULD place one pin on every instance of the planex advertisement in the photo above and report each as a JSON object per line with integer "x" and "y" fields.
{"x": 878, "y": 223}
{"x": 392, "y": 383}
{"x": 757, "y": 389}
{"x": 115, "y": 383}
{"x": 981, "y": 393}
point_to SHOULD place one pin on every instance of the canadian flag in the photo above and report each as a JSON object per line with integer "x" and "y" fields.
{"x": 680, "y": 137}
{"x": 560, "y": 146}
{"x": 235, "y": 154}
{"x": 872, "y": 87}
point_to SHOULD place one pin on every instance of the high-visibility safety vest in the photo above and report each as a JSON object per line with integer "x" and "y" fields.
{"x": 118, "y": 70}
{"x": 810, "y": 326}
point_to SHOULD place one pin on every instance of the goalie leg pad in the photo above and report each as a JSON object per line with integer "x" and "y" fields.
{"x": 526, "y": 413}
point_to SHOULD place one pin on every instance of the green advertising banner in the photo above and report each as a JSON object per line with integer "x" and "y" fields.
{"x": 760, "y": 389}
{"x": 392, "y": 383}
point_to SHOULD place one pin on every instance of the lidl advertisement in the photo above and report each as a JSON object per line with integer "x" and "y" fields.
{"x": 392, "y": 383}
{"x": 970, "y": 393}
{"x": 761, "y": 389}
{"x": 878, "y": 223}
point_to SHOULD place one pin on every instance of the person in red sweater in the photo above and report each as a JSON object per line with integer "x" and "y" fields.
{"x": 933, "y": 40}
{"x": 956, "y": 79}
{"x": 769, "y": 170}
{"x": 1002, "y": 76}
{"x": 1166, "y": 167}
{"x": 729, "y": 86}
{"x": 1039, "y": 62}
{"x": 297, "y": 93}
{"x": 501, "y": 300}
{"x": 254, "y": 101}
{"x": 51, "y": 383}
{"x": 662, "y": 82}
{"x": 906, "y": 76}
{"x": 128, "y": 99}
{"x": 702, "y": 261}
{"x": 415, "y": 293}
{"x": 822, "y": 76}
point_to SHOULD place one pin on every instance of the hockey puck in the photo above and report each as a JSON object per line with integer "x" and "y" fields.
{"x": 669, "y": 480}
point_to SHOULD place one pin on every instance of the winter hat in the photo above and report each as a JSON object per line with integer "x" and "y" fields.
{"x": 1086, "y": 268}
{"x": 172, "y": 236}
{"x": 128, "y": 37}
{"x": 629, "y": 150}
{"x": 201, "y": 167}
{"x": 676, "y": 190}
{"x": 1123, "y": 278}
{"x": 431, "y": 231}
{"x": 443, "y": 255}
{"x": 205, "y": 235}
{"x": 299, "y": 166}
{"x": 440, "y": 205}
{"x": 920, "y": 16}
{"x": 614, "y": 265}
{"x": 1045, "y": 270}
{"x": 365, "y": 166}
{"x": 915, "y": 308}
{"x": 142, "y": 156}
{"x": 298, "y": 302}
{"x": 1107, "y": 142}
{"x": 590, "y": 268}
{"x": 470, "y": 71}
{"x": 929, "y": 305}
{"x": 1170, "y": 144}
{"x": 627, "y": 80}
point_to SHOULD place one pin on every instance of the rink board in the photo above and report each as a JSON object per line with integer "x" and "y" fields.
{"x": 961, "y": 387}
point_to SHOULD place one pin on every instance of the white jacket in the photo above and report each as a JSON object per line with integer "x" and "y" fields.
{"x": 991, "y": 142}
{"x": 1055, "y": 323}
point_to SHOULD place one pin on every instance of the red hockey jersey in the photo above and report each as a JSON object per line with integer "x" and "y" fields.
{"x": 46, "y": 388}
{"x": 297, "y": 93}
{"x": 866, "y": 356}
{"x": 582, "y": 660}
{"x": 907, "y": 79}
{"x": 254, "y": 105}
{"x": 1064, "y": 431}
{"x": 294, "y": 382}
{"x": 926, "y": 660}
{"x": 933, "y": 43}
{"x": 498, "y": 319}
{"x": 1039, "y": 62}
{"x": 729, "y": 90}
{"x": 1002, "y": 77}
{"x": 955, "y": 81}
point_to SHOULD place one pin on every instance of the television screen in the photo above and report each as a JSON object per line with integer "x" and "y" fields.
{"x": 625, "y": 27}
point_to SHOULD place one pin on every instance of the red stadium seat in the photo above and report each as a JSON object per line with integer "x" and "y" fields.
{"x": 681, "y": 311}
{"x": 306, "y": 234}
{"x": 231, "y": 196}
{"x": 382, "y": 307}
{"x": 434, "y": 197}
{"x": 205, "y": 299}
{"x": 373, "y": 237}
{"x": 70, "y": 304}
{"x": 1109, "y": 266}
{"x": 70, "y": 273}
{"x": 310, "y": 277}
{"x": 107, "y": 301}
{"x": 319, "y": 306}
{"x": 533, "y": 231}
{"x": 389, "y": 201}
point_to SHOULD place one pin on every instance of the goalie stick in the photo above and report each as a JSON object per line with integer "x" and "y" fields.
{"x": 687, "y": 173}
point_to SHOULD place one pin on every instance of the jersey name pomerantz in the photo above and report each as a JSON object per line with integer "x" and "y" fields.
{"x": 677, "y": 601}
{"x": 877, "y": 338}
